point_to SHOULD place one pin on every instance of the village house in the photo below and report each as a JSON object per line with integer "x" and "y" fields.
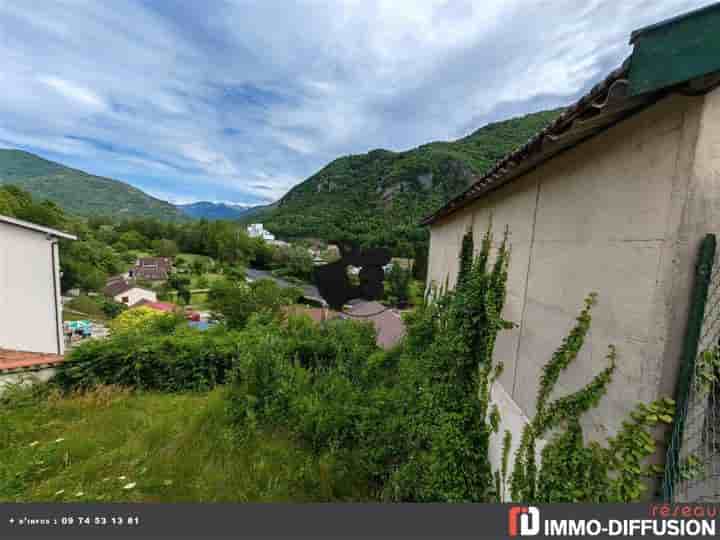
{"x": 613, "y": 197}
{"x": 126, "y": 292}
{"x": 153, "y": 269}
{"x": 256, "y": 230}
{"x": 31, "y": 332}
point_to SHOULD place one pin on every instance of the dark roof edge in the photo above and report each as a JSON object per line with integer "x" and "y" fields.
{"x": 649, "y": 28}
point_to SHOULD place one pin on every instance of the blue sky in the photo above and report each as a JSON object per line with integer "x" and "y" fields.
{"x": 232, "y": 100}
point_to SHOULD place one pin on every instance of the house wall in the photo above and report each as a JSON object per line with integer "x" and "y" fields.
{"x": 135, "y": 295}
{"x": 28, "y": 297}
{"x": 620, "y": 215}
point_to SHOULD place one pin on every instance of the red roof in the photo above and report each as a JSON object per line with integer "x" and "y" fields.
{"x": 159, "y": 306}
{"x": 388, "y": 324}
{"x": 11, "y": 360}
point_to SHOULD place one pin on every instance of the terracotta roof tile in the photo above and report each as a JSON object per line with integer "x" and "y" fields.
{"x": 11, "y": 360}
{"x": 388, "y": 323}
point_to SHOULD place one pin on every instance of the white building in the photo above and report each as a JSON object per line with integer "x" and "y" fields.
{"x": 124, "y": 292}
{"x": 256, "y": 230}
{"x": 30, "y": 308}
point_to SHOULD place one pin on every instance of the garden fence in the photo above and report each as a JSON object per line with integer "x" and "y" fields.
{"x": 692, "y": 466}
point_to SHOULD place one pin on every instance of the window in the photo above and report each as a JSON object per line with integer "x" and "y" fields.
{"x": 125, "y": 299}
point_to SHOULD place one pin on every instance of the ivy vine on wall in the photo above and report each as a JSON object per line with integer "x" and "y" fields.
{"x": 571, "y": 469}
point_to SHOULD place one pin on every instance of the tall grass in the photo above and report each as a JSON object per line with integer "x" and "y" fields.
{"x": 111, "y": 444}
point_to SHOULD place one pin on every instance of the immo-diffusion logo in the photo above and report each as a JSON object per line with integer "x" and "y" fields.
{"x": 682, "y": 521}
{"x": 523, "y": 520}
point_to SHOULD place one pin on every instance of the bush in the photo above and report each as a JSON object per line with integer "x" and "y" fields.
{"x": 112, "y": 309}
{"x": 410, "y": 416}
{"x": 186, "y": 359}
{"x": 234, "y": 301}
{"x": 397, "y": 285}
{"x": 303, "y": 377}
{"x": 143, "y": 319}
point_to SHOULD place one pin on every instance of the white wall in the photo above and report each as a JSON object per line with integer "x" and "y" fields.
{"x": 135, "y": 295}
{"x": 27, "y": 297}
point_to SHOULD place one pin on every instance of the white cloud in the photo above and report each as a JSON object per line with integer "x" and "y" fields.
{"x": 239, "y": 100}
{"x": 73, "y": 91}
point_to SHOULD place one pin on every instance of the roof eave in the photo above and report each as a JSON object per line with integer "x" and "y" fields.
{"x": 36, "y": 228}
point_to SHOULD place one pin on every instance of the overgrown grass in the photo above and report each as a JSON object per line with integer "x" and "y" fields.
{"x": 90, "y": 306}
{"x": 191, "y": 257}
{"x": 113, "y": 445}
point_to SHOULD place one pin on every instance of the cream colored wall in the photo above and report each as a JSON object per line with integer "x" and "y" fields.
{"x": 27, "y": 296}
{"x": 696, "y": 211}
{"x": 135, "y": 295}
{"x": 620, "y": 215}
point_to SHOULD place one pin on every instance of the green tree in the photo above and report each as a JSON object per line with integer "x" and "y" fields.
{"x": 263, "y": 254}
{"x": 397, "y": 282}
{"x": 234, "y": 301}
{"x": 165, "y": 248}
{"x": 83, "y": 275}
{"x": 299, "y": 263}
{"x": 181, "y": 284}
{"x": 133, "y": 240}
{"x": 112, "y": 309}
{"x": 198, "y": 266}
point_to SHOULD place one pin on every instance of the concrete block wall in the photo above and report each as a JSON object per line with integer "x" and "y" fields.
{"x": 621, "y": 215}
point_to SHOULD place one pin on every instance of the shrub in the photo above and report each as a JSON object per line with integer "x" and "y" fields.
{"x": 234, "y": 301}
{"x": 186, "y": 359}
{"x": 112, "y": 309}
{"x": 144, "y": 319}
{"x": 397, "y": 285}
{"x": 308, "y": 379}
{"x": 411, "y": 415}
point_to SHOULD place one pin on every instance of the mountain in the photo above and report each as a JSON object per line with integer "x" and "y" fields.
{"x": 213, "y": 211}
{"x": 79, "y": 192}
{"x": 379, "y": 197}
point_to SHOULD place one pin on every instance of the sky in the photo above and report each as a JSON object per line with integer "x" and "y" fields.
{"x": 237, "y": 101}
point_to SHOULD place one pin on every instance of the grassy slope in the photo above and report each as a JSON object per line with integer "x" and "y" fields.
{"x": 173, "y": 447}
{"x": 379, "y": 197}
{"x": 78, "y": 192}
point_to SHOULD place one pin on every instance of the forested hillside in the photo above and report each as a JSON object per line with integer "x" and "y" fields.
{"x": 378, "y": 198}
{"x": 79, "y": 192}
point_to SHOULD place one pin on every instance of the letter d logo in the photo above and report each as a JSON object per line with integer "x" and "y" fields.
{"x": 529, "y": 518}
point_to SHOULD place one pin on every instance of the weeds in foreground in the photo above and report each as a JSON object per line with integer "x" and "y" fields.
{"x": 111, "y": 444}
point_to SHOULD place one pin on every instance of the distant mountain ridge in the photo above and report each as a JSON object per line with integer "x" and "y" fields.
{"x": 213, "y": 210}
{"x": 378, "y": 198}
{"x": 79, "y": 192}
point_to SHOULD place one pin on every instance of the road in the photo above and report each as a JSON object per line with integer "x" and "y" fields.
{"x": 309, "y": 291}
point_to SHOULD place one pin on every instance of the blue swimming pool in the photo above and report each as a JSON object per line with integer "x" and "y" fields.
{"x": 200, "y": 325}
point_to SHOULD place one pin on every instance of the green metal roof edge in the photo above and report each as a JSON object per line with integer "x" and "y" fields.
{"x": 682, "y": 16}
